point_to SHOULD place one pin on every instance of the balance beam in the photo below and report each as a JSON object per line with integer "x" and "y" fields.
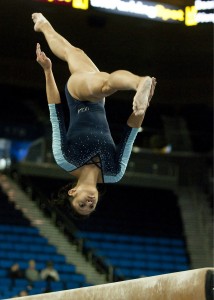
{"x": 186, "y": 285}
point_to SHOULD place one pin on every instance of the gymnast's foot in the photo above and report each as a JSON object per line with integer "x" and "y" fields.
{"x": 154, "y": 82}
{"x": 38, "y": 20}
{"x": 143, "y": 95}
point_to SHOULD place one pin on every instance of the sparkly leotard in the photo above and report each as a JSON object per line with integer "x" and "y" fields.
{"x": 88, "y": 139}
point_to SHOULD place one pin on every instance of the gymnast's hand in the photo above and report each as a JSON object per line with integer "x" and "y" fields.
{"x": 42, "y": 59}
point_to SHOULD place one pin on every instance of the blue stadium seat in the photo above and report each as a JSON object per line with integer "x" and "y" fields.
{"x": 94, "y": 235}
{"x": 182, "y": 267}
{"x": 17, "y": 289}
{"x": 26, "y": 256}
{"x": 179, "y": 251}
{"x": 168, "y": 257}
{"x": 5, "y": 282}
{"x": 65, "y": 268}
{"x": 6, "y": 264}
{"x": 6, "y": 246}
{"x": 126, "y": 272}
{"x": 40, "y": 285}
{"x": 178, "y": 242}
{"x": 21, "y": 247}
{"x": 44, "y": 257}
{"x": 153, "y": 256}
{"x": 65, "y": 277}
{"x": 78, "y": 278}
{"x": 5, "y": 228}
{"x": 139, "y": 255}
{"x": 150, "y": 248}
{"x": 33, "y": 239}
{"x": 167, "y": 266}
{"x": 164, "y": 241}
{"x": 58, "y": 258}
{"x": 34, "y": 291}
{"x": 40, "y": 265}
{"x": 24, "y": 229}
{"x": 149, "y": 240}
{"x": 36, "y": 248}
{"x": 20, "y": 283}
{"x": 180, "y": 259}
{"x": 10, "y": 238}
{"x": 56, "y": 286}
{"x": 72, "y": 285}
{"x": 14, "y": 255}
{"x": 49, "y": 249}
{"x": 8, "y": 295}
{"x": 152, "y": 272}
{"x": 139, "y": 264}
{"x": 154, "y": 265}
{"x": 3, "y": 273}
{"x": 165, "y": 249}
{"x": 23, "y": 264}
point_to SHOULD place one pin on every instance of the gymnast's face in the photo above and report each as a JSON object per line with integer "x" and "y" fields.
{"x": 84, "y": 200}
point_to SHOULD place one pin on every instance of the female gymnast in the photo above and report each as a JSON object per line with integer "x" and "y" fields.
{"x": 87, "y": 150}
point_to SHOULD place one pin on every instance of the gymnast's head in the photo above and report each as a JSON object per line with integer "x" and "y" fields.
{"x": 78, "y": 200}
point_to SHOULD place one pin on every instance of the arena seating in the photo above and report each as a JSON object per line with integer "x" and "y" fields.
{"x": 137, "y": 235}
{"x": 21, "y": 242}
{"x": 137, "y": 256}
{"x": 141, "y": 240}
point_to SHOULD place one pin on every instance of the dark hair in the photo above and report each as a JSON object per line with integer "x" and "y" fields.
{"x": 63, "y": 201}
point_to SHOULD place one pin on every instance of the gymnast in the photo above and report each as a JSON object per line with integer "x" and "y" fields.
{"x": 86, "y": 149}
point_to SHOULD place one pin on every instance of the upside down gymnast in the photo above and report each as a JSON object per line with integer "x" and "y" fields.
{"x": 87, "y": 150}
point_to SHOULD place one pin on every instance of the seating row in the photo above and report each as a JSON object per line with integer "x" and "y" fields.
{"x": 39, "y": 287}
{"x": 131, "y": 247}
{"x": 142, "y": 256}
{"x": 145, "y": 240}
{"x": 33, "y": 247}
{"x": 158, "y": 265}
{"x": 64, "y": 278}
{"x": 132, "y": 273}
{"x": 22, "y": 238}
{"x": 10, "y": 229}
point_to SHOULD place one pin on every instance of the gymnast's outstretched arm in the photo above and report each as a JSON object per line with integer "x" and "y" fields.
{"x": 53, "y": 95}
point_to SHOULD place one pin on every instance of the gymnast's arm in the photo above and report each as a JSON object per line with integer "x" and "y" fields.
{"x": 124, "y": 148}
{"x": 53, "y": 95}
{"x": 59, "y": 140}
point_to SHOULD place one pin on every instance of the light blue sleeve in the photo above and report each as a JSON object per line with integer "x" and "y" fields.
{"x": 124, "y": 150}
{"x": 59, "y": 140}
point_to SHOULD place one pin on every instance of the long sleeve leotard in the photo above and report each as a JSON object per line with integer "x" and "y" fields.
{"x": 88, "y": 137}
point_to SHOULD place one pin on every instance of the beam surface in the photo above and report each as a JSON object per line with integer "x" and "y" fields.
{"x": 185, "y": 285}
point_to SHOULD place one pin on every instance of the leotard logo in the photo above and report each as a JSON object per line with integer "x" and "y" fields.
{"x": 83, "y": 109}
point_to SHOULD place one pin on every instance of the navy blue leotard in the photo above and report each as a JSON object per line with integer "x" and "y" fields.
{"x": 88, "y": 137}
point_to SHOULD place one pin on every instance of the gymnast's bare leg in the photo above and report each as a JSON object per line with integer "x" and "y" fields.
{"x": 86, "y": 81}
